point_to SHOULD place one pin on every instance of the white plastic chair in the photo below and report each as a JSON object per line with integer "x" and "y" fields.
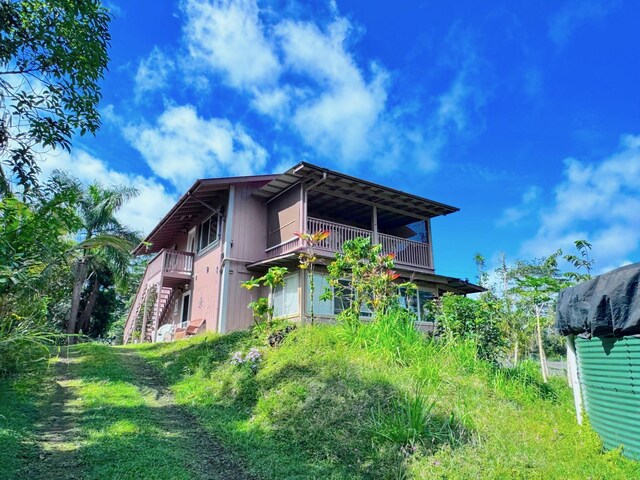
{"x": 164, "y": 333}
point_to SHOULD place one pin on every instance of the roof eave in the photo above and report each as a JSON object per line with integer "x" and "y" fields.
{"x": 142, "y": 246}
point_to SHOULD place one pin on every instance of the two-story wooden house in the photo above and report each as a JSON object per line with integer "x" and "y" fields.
{"x": 223, "y": 231}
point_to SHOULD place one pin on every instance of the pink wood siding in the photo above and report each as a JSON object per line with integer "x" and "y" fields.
{"x": 249, "y": 225}
{"x": 206, "y": 287}
{"x": 249, "y": 237}
{"x": 239, "y": 315}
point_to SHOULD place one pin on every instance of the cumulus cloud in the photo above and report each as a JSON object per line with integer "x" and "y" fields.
{"x": 599, "y": 202}
{"x": 227, "y": 36}
{"x": 153, "y": 73}
{"x": 303, "y": 76}
{"x": 183, "y": 146}
{"x": 340, "y": 116}
{"x": 141, "y": 213}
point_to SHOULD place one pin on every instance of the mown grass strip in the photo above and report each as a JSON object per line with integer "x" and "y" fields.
{"x": 132, "y": 428}
{"x": 20, "y": 403}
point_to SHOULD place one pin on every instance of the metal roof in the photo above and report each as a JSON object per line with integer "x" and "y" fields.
{"x": 339, "y": 185}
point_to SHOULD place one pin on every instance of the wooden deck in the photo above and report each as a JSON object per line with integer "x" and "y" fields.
{"x": 409, "y": 253}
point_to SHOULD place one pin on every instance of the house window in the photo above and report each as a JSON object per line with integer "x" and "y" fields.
{"x": 320, "y": 307}
{"x": 341, "y": 301}
{"x": 285, "y": 297}
{"x": 209, "y": 232}
{"x": 417, "y": 303}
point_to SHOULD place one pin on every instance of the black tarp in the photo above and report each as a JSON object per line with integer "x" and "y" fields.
{"x": 608, "y": 304}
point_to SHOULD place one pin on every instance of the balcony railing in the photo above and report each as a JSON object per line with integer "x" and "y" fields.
{"x": 408, "y": 252}
{"x": 339, "y": 233}
{"x": 171, "y": 262}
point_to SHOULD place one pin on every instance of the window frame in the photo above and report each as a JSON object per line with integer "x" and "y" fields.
{"x": 213, "y": 244}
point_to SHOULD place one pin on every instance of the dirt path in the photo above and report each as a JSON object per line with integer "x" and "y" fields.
{"x": 65, "y": 448}
{"x": 208, "y": 459}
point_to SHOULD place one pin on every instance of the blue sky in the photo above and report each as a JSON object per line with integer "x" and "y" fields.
{"x": 526, "y": 115}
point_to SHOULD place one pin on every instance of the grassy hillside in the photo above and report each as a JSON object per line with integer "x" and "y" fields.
{"x": 370, "y": 401}
{"x": 379, "y": 401}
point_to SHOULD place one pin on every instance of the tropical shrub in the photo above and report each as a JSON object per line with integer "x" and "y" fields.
{"x": 263, "y": 308}
{"x": 371, "y": 280}
{"x": 308, "y": 259}
{"x": 461, "y": 317}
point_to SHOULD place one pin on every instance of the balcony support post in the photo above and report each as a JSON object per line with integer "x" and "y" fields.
{"x": 374, "y": 224}
{"x": 156, "y": 320}
{"x": 144, "y": 316}
{"x": 430, "y": 242}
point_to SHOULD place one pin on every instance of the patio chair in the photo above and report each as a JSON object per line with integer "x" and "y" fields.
{"x": 165, "y": 333}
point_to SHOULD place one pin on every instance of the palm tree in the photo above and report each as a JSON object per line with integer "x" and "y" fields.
{"x": 103, "y": 239}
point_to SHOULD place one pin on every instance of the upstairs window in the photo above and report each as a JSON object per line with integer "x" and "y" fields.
{"x": 209, "y": 232}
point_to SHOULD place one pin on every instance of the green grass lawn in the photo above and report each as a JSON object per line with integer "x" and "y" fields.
{"x": 20, "y": 400}
{"x": 102, "y": 413}
{"x": 329, "y": 402}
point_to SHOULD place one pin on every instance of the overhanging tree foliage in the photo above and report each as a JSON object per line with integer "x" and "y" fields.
{"x": 35, "y": 277}
{"x": 53, "y": 53}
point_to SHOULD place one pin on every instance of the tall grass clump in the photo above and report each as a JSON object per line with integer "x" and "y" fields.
{"x": 412, "y": 421}
{"x": 392, "y": 334}
{"x": 24, "y": 344}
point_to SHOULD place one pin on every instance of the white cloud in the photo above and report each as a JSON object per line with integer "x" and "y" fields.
{"x": 306, "y": 80}
{"x": 339, "y": 118}
{"x": 528, "y": 206}
{"x": 183, "y": 146}
{"x": 275, "y": 103}
{"x": 575, "y": 13}
{"x": 599, "y": 202}
{"x": 141, "y": 213}
{"x": 228, "y": 37}
{"x": 153, "y": 73}
{"x": 304, "y": 75}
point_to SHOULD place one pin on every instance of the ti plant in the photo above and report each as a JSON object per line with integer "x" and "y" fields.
{"x": 308, "y": 259}
{"x": 262, "y": 308}
{"x": 371, "y": 280}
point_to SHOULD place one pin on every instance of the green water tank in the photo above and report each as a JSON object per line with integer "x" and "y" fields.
{"x": 609, "y": 373}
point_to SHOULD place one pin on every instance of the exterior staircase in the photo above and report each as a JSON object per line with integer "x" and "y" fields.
{"x": 167, "y": 294}
{"x": 156, "y": 293}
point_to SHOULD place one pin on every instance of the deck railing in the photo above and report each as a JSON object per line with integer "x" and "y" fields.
{"x": 171, "y": 261}
{"x": 339, "y": 233}
{"x": 408, "y": 252}
{"x": 178, "y": 262}
{"x": 284, "y": 248}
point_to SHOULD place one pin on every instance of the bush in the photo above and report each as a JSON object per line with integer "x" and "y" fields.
{"x": 464, "y": 318}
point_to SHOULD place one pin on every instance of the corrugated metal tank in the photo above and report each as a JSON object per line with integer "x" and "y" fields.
{"x": 609, "y": 371}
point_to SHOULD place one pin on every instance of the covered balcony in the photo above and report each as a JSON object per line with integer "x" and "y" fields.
{"x": 409, "y": 253}
{"x": 310, "y": 198}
